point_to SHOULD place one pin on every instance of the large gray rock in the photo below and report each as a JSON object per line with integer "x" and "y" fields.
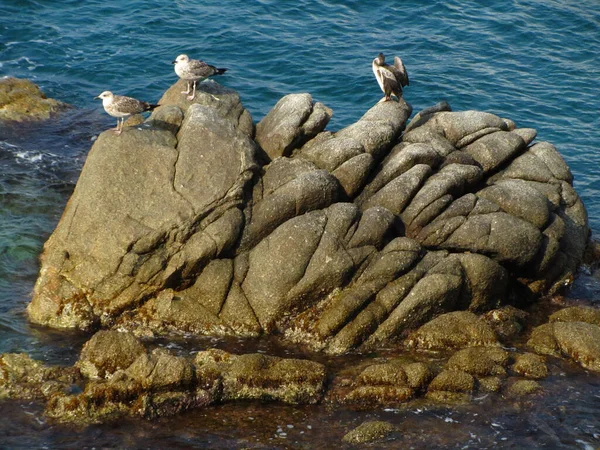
{"x": 344, "y": 240}
{"x": 351, "y": 153}
{"x": 209, "y": 93}
{"x": 294, "y": 120}
{"x": 150, "y": 210}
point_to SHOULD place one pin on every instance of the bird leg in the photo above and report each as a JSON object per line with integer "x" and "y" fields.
{"x": 115, "y": 129}
{"x": 188, "y": 89}
{"x": 120, "y": 128}
{"x": 191, "y": 97}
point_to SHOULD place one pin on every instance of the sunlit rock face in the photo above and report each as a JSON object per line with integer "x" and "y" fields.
{"x": 198, "y": 222}
{"x": 22, "y": 100}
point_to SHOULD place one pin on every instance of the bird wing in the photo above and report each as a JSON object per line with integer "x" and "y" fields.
{"x": 401, "y": 73}
{"x": 200, "y": 68}
{"x": 378, "y": 75}
{"x": 122, "y": 106}
{"x": 389, "y": 81}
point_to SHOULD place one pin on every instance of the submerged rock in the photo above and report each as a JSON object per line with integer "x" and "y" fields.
{"x": 22, "y": 100}
{"x": 370, "y": 431}
{"x": 523, "y": 388}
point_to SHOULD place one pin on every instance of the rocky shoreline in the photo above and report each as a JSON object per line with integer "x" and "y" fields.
{"x": 431, "y": 236}
{"x": 450, "y": 361}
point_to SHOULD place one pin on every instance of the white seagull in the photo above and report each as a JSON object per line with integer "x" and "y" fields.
{"x": 194, "y": 70}
{"x": 391, "y": 79}
{"x": 121, "y": 107}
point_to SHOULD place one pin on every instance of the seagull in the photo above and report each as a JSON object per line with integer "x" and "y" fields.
{"x": 194, "y": 70}
{"x": 121, "y": 107}
{"x": 391, "y": 79}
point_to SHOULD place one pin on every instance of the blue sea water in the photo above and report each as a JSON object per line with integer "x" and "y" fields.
{"x": 536, "y": 62}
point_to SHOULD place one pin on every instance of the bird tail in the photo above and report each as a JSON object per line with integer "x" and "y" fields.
{"x": 220, "y": 71}
{"x": 150, "y": 107}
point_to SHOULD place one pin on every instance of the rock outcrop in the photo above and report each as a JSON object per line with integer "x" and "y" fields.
{"x": 118, "y": 375}
{"x": 121, "y": 377}
{"x": 22, "y": 100}
{"x": 194, "y": 223}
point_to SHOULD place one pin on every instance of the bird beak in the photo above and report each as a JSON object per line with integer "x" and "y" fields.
{"x": 174, "y": 62}
{"x": 97, "y": 97}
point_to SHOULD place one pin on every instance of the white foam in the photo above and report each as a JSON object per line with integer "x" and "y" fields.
{"x": 29, "y": 156}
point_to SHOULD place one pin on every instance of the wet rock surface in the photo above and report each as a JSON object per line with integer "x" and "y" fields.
{"x": 371, "y": 431}
{"x": 577, "y": 340}
{"x": 22, "y": 100}
{"x": 118, "y": 375}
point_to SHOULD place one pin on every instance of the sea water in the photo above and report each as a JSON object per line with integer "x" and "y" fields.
{"x": 535, "y": 62}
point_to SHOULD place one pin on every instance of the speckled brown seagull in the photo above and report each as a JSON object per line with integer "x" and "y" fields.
{"x": 194, "y": 70}
{"x": 391, "y": 79}
{"x": 121, "y": 107}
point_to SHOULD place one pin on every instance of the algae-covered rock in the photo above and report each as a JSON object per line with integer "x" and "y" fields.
{"x": 453, "y": 381}
{"x": 22, "y": 100}
{"x": 383, "y": 374}
{"x": 388, "y": 383}
{"x": 577, "y": 340}
{"x": 451, "y": 386}
{"x": 383, "y": 384}
{"x": 587, "y": 314}
{"x": 543, "y": 341}
{"x": 418, "y": 375}
{"x": 161, "y": 370}
{"x": 124, "y": 378}
{"x": 453, "y": 330}
{"x": 530, "y": 365}
{"x": 108, "y": 351}
{"x": 480, "y": 361}
{"x": 24, "y": 378}
{"x": 262, "y": 377}
{"x": 507, "y": 322}
{"x": 370, "y": 431}
{"x": 523, "y": 388}
{"x": 490, "y": 384}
